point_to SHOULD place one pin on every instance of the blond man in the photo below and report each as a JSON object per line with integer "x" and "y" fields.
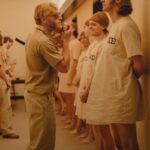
{"x": 43, "y": 60}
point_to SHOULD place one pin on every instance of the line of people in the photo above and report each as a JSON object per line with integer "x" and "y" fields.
{"x": 98, "y": 79}
{"x": 107, "y": 93}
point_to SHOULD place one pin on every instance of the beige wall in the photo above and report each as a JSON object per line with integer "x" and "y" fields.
{"x": 17, "y": 21}
{"x": 82, "y": 13}
{"x": 140, "y": 15}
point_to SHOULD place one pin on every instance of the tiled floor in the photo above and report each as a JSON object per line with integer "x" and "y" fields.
{"x": 64, "y": 140}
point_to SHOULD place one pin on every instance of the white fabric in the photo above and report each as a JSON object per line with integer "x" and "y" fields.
{"x": 87, "y": 68}
{"x": 75, "y": 48}
{"x": 114, "y": 95}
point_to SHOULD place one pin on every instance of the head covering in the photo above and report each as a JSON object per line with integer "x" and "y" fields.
{"x": 101, "y": 18}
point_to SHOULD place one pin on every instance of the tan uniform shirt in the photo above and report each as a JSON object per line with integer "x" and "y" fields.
{"x": 4, "y": 59}
{"x": 42, "y": 56}
{"x": 4, "y": 66}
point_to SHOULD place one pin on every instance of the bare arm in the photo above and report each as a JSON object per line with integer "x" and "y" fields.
{"x": 138, "y": 65}
{"x": 76, "y": 80}
{"x": 72, "y": 71}
{"x": 63, "y": 65}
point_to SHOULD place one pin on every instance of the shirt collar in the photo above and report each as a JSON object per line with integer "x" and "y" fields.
{"x": 41, "y": 28}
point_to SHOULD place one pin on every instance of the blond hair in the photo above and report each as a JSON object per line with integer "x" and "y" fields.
{"x": 43, "y": 10}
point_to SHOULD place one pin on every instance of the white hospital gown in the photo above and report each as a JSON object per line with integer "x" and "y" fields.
{"x": 75, "y": 48}
{"x": 115, "y": 95}
{"x": 87, "y": 70}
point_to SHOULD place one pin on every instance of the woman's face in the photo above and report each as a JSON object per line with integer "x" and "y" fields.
{"x": 107, "y": 5}
{"x": 95, "y": 28}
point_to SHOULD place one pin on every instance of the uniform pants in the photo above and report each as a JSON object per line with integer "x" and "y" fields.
{"x": 5, "y": 109}
{"x": 42, "y": 124}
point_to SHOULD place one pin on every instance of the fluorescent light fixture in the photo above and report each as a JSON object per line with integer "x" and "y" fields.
{"x": 60, "y": 3}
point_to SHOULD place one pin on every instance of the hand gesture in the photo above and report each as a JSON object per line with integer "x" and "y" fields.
{"x": 67, "y": 33}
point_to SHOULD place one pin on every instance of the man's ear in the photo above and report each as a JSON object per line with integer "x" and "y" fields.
{"x": 42, "y": 19}
{"x": 102, "y": 27}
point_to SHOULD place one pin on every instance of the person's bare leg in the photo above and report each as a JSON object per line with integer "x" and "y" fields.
{"x": 72, "y": 111}
{"x": 128, "y": 137}
{"x": 90, "y": 136}
{"x": 85, "y": 133}
{"x": 116, "y": 136}
{"x": 74, "y": 119}
{"x": 98, "y": 137}
{"x": 62, "y": 103}
{"x": 78, "y": 126}
{"x": 70, "y": 101}
{"x": 67, "y": 118}
{"x": 107, "y": 137}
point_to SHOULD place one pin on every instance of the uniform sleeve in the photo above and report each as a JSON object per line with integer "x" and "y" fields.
{"x": 50, "y": 53}
{"x": 3, "y": 60}
{"x": 132, "y": 40}
{"x": 76, "y": 49}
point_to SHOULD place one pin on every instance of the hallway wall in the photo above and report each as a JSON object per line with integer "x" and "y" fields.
{"x": 82, "y": 14}
{"x": 140, "y": 15}
{"x": 17, "y": 21}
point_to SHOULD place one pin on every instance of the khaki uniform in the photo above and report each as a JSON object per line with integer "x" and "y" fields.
{"x": 41, "y": 55}
{"x": 5, "y": 102}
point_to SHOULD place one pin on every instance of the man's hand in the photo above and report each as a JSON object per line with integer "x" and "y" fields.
{"x": 67, "y": 35}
